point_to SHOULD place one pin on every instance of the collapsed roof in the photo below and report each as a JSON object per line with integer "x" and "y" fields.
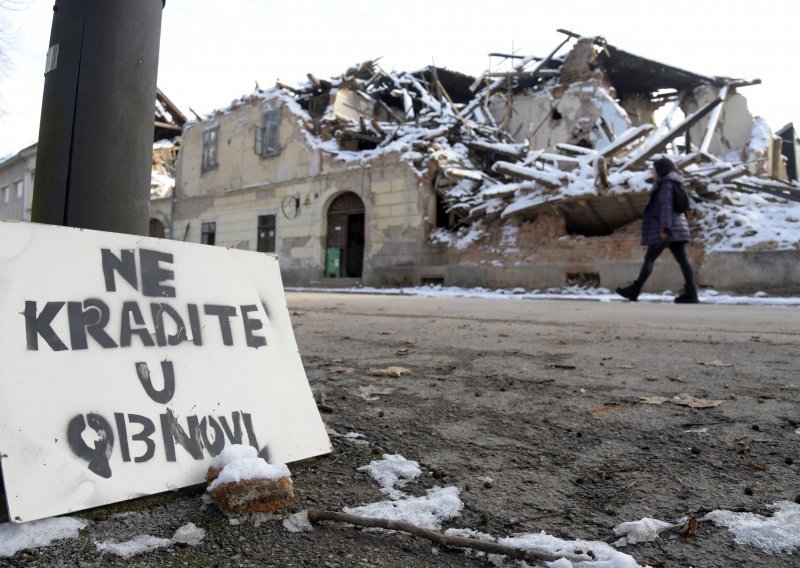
{"x": 568, "y": 134}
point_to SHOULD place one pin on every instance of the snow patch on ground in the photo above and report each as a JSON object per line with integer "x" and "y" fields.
{"x": 643, "y": 530}
{"x": 569, "y": 293}
{"x": 298, "y": 522}
{"x": 189, "y": 534}
{"x": 16, "y": 537}
{"x": 602, "y": 555}
{"x": 775, "y": 534}
{"x": 127, "y": 549}
{"x": 440, "y": 504}
{"x": 391, "y": 472}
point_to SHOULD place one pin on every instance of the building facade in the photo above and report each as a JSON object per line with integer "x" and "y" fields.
{"x": 252, "y": 178}
{"x": 16, "y": 184}
{"x": 535, "y": 179}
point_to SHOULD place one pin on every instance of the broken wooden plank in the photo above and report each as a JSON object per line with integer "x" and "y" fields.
{"x": 499, "y": 82}
{"x": 602, "y": 173}
{"x": 713, "y": 120}
{"x": 658, "y": 145}
{"x": 775, "y": 188}
{"x": 627, "y": 138}
{"x": 523, "y": 74}
{"x": 361, "y": 135}
{"x": 730, "y": 173}
{"x": 463, "y": 173}
{"x": 564, "y": 163}
{"x": 574, "y": 150}
{"x": 452, "y": 106}
{"x": 286, "y": 87}
{"x": 515, "y": 151}
{"x": 548, "y": 179}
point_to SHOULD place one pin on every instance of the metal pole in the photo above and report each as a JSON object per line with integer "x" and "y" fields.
{"x": 96, "y": 132}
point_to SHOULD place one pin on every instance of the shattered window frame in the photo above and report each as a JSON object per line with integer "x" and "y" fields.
{"x": 208, "y": 233}
{"x": 210, "y": 147}
{"x": 267, "y": 136}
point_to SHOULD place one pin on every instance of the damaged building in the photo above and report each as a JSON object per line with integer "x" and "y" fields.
{"x": 534, "y": 177}
{"x": 17, "y": 172}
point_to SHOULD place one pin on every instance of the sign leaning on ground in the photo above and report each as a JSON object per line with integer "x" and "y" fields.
{"x": 127, "y": 363}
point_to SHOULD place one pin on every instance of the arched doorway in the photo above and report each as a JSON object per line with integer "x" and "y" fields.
{"x": 345, "y": 233}
{"x": 157, "y": 229}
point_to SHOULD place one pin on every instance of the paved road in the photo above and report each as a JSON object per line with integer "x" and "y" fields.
{"x": 569, "y": 408}
{"x": 660, "y": 319}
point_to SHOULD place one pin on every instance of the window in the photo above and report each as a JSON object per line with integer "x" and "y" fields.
{"x": 210, "y": 139}
{"x": 6, "y": 193}
{"x": 266, "y": 233}
{"x": 267, "y": 135}
{"x": 19, "y": 189}
{"x": 208, "y": 233}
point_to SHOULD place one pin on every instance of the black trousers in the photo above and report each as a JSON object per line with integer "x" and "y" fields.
{"x": 678, "y": 250}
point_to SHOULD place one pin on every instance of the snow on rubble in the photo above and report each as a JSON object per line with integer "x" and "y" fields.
{"x": 555, "y": 133}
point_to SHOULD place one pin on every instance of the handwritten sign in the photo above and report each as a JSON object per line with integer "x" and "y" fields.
{"x": 127, "y": 363}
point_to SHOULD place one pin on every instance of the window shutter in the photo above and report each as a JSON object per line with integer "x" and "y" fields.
{"x": 258, "y": 141}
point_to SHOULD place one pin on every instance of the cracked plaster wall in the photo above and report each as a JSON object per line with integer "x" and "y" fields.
{"x": 735, "y": 122}
{"x": 573, "y": 114}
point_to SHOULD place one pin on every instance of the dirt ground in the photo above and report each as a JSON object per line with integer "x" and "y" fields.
{"x": 554, "y": 401}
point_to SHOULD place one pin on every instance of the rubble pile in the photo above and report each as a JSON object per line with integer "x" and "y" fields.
{"x": 162, "y": 170}
{"x": 569, "y": 134}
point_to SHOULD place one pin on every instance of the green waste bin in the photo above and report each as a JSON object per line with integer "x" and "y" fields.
{"x": 333, "y": 262}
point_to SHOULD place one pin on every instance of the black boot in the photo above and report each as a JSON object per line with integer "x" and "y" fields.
{"x": 689, "y": 296}
{"x": 630, "y": 292}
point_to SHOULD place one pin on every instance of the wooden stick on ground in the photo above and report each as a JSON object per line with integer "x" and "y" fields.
{"x": 441, "y": 539}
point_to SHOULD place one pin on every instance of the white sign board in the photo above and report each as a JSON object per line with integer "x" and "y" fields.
{"x": 127, "y": 362}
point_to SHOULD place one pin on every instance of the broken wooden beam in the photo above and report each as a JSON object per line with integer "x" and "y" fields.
{"x": 552, "y": 180}
{"x": 776, "y": 188}
{"x": 627, "y": 138}
{"x": 501, "y": 81}
{"x": 602, "y": 173}
{"x": 730, "y": 174}
{"x": 522, "y": 74}
{"x": 573, "y": 150}
{"x": 713, "y": 120}
{"x": 658, "y": 145}
{"x": 515, "y": 151}
{"x": 463, "y": 173}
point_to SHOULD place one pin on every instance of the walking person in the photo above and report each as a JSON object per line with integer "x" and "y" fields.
{"x": 663, "y": 227}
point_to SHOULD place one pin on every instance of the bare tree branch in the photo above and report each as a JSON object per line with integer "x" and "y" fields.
{"x": 442, "y": 539}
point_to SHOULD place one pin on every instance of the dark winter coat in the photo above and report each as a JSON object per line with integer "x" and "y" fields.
{"x": 659, "y": 214}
